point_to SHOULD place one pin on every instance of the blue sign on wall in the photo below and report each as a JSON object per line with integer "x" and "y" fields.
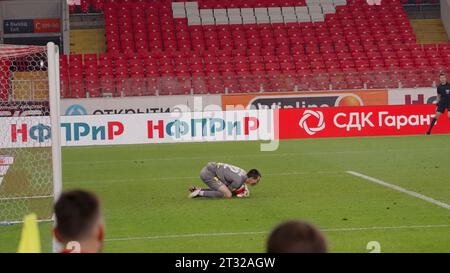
{"x": 18, "y": 26}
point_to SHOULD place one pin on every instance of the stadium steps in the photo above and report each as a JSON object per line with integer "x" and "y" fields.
{"x": 87, "y": 41}
{"x": 429, "y": 31}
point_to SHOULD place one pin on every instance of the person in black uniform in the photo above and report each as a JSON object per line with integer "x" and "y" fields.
{"x": 443, "y": 100}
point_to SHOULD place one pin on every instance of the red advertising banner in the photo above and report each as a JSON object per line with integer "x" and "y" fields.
{"x": 359, "y": 121}
{"x": 47, "y": 25}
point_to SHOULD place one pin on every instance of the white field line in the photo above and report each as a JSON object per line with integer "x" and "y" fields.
{"x": 25, "y": 197}
{"x": 10, "y": 223}
{"x": 208, "y": 157}
{"x": 403, "y": 190}
{"x": 194, "y": 235}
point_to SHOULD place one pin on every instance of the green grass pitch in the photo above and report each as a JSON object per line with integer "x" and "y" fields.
{"x": 144, "y": 194}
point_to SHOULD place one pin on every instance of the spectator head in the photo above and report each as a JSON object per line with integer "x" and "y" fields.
{"x": 296, "y": 237}
{"x": 79, "y": 220}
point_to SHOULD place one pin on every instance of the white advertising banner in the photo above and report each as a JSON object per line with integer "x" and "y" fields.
{"x": 140, "y": 105}
{"x": 22, "y": 132}
{"x": 408, "y": 96}
{"x": 141, "y": 128}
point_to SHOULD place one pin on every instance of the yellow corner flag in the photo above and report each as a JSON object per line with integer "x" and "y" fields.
{"x": 30, "y": 241}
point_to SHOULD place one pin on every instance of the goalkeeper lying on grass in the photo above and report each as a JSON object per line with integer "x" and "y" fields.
{"x": 225, "y": 180}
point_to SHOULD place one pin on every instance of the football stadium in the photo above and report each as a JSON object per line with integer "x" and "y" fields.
{"x": 225, "y": 126}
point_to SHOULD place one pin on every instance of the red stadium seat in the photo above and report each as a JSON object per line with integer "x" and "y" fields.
{"x": 145, "y": 41}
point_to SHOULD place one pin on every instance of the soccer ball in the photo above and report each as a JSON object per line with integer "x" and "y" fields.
{"x": 244, "y": 193}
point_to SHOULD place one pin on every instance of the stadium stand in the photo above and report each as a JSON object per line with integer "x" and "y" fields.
{"x": 233, "y": 46}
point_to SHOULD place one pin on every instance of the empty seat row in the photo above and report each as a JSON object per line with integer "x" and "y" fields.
{"x": 88, "y": 75}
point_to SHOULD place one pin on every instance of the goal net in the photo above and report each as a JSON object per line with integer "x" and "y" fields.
{"x": 30, "y": 170}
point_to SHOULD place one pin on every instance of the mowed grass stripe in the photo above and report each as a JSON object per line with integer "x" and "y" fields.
{"x": 257, "y": 154}
{"x": 175, "y": 178}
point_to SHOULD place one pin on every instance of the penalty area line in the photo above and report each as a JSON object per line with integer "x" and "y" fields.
{"x": 400, "y": 189}
{"x": 195, "y": 235}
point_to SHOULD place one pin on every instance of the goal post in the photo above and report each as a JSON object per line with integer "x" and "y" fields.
{"x": 30, "y": 149}
{"x": 55, "y": 116}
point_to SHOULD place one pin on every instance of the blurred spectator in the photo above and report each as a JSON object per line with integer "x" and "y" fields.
{"x": 296, "y": 237}
{"x": 79, "y": 222}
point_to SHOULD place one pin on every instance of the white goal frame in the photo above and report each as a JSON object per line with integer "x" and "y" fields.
{"x": 55, "y": 98}
{"x": 53, "y": 77}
